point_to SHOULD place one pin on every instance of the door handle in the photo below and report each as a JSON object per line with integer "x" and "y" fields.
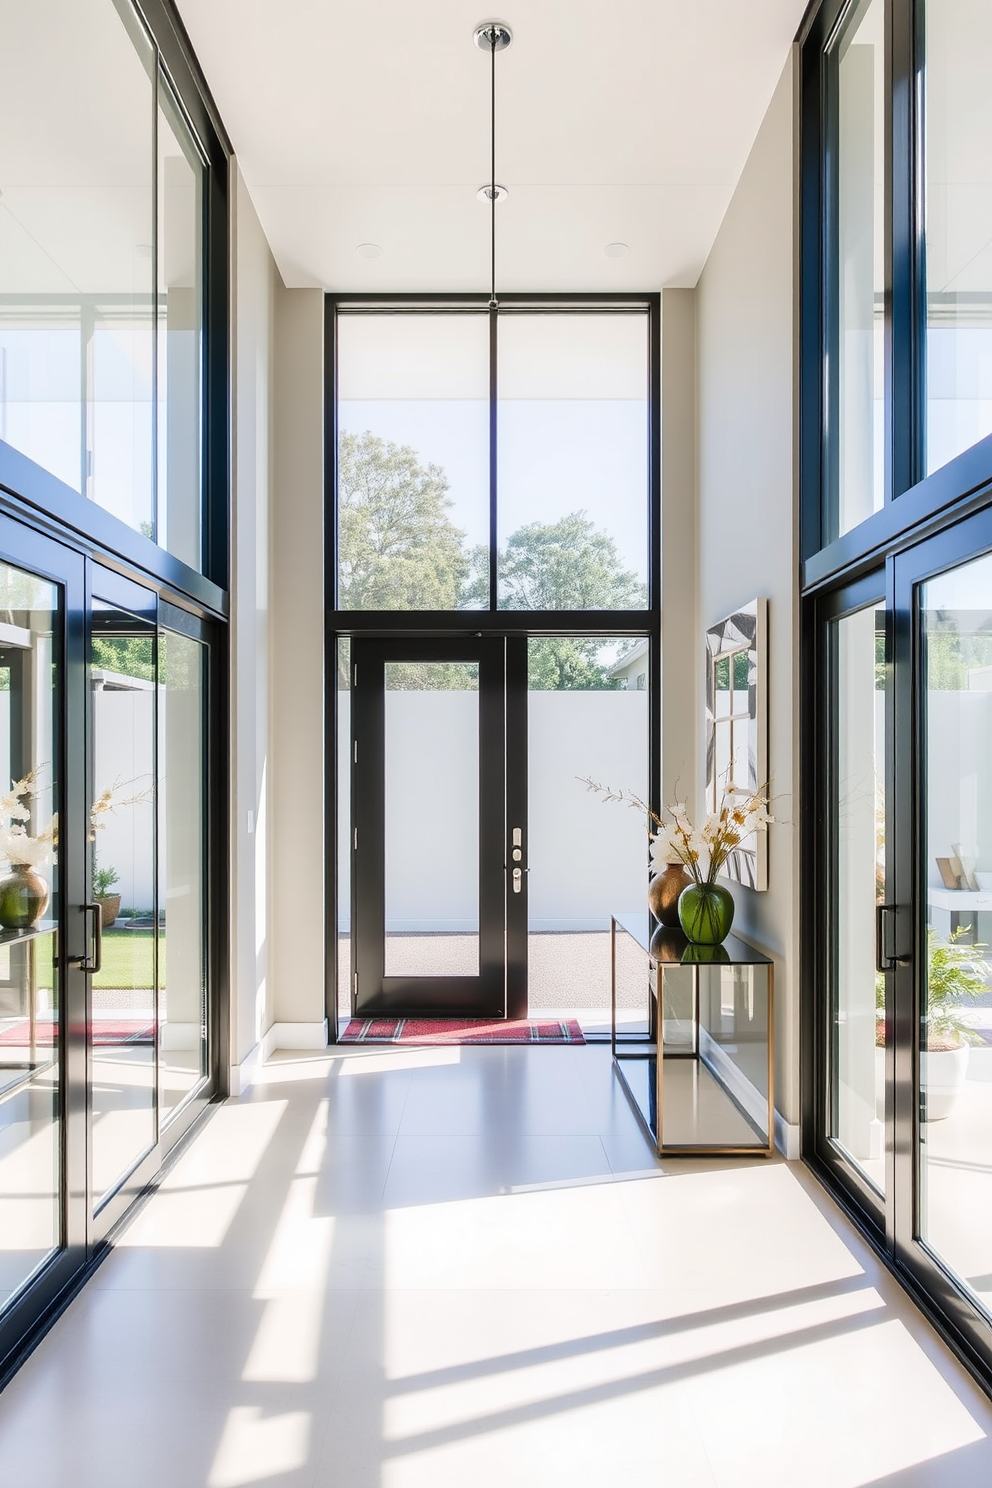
{"x": 882, "y": 961}
{"x": 92, "y": 963}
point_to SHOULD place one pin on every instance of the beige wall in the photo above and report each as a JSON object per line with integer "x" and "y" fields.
{"x": 296, "y": 774}
{"x": 681, "y": 692}
{"x": 253, "y": 289}
{"x": 747, "y": 522}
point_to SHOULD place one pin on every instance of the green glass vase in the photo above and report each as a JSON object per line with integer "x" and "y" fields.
{"x": 706, "y": 913}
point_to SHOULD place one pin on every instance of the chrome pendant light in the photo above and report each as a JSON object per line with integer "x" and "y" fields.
{"x": 492, "y": 37}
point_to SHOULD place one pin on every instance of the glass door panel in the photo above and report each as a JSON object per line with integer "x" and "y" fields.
{"x": 182, "y": 845}
{"x": 429, "y": 847}
{"x": 955, "y": 1033}
{"x": 31, "y": 681}
{"x": 122, "y": 877}
{"x": 431, "y": 783}
{"x": 857, "y": 1024}
{"x": 588, "y": 717}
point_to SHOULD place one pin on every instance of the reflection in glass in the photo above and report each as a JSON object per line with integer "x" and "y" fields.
{"x": 30, "y": 1097}
{"x": 76, "y": 235}
{"x": 860, "y": 65}
{"x": 182, "y": 974}
{"x": 955, "y": 1218}
{"x": 858, "y": 1026}
{"x": 180, "y": 332}
{"x": 122, "y": 1026}
{"x": 573, "y": 461}
{"x": 958, "y": 117}
{"x": 587, "y": 715}
{"x": 93, "y": 332}
{"x": 413, "y": 460}
{"x": 432, "y": 819}
{"x": 343, "y": 787}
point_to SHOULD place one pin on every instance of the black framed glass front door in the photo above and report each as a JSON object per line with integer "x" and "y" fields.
{"x": 439, "y": 867}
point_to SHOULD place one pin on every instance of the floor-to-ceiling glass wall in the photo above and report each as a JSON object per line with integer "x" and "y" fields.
{"x": 897, "y": 494}
{"x": 113, "y": 359}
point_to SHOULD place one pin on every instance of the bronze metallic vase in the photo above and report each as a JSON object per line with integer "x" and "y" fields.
{"x": 664, "y": 891}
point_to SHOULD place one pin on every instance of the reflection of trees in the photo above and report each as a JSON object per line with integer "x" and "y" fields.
{"x": 128, "y": 656}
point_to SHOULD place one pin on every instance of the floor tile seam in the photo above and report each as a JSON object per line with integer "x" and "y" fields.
{"x": 688, "y": 1401}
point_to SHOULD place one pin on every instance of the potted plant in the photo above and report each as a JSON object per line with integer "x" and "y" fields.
{"x": 955, "y": 972}
{"x": 110, "y": 903}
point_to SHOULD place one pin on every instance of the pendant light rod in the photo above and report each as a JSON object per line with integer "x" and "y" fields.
{"x": 493, "y": 302}
{"x": 495, "y": 37}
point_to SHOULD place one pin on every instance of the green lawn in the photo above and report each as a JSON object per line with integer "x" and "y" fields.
{"x": 128, "y": 959}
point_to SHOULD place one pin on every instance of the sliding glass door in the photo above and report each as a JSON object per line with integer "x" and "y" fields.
{"x": 903, "y": 936}
{"x": 46, "y": 936}
{"x": 943, "y": 890}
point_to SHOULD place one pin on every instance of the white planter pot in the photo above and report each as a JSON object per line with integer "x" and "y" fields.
{"x": 942, "y": 1075}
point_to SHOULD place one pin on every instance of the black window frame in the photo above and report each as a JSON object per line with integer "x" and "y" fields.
{"x": 839, "y": 570}
{"x": 345, "y": 624}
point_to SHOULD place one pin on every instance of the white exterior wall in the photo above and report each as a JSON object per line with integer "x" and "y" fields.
{"x": 747, "y": 511}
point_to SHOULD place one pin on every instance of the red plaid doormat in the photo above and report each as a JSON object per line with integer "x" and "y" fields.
{"x": 462, "y": 1031}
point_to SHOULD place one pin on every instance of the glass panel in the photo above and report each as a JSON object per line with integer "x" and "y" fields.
{"x": 180, "y": 333}
{"x": 587, "y": 716}
{"x": 122, "y": 790}
{"x": 858, "y": 1024}
{"x": 344, "y": 828}
{"x": 432, "y": 818}
{"x": 76, "y": 235}
{"x": 860, "y": 265}
{"x": 573, "y": 462}
{"x": 30, "y": 1096}
{"x": 958, "y": 118}
{"x": 182, "y": 975}
{"x": 413, "y": 461}
{"x": 956, "y": 998}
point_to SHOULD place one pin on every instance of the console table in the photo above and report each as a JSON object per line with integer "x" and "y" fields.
{"x": 711, "y": 1020}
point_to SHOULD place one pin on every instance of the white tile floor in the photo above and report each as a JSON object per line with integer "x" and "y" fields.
{"x": 401, "y": 1268}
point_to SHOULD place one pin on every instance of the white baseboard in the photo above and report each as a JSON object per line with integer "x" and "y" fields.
{"x": 277, "y": 1036}
{"x": 787, "y": 1138}
{"x": 298, "y": 1035}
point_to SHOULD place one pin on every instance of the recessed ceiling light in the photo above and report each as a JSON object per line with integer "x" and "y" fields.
{"x": 369, "y": 250}
{"x": 615, "y": 250}
{"x": 485, "y": 193}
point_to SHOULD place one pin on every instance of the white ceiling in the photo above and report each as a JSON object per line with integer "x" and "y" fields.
{"x": 361, "y": 121}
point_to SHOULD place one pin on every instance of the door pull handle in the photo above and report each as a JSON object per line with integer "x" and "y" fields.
{"x": 882, "y": 961}
{"x": 92, "y": 963}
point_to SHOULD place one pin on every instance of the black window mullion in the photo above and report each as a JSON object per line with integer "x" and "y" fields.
{"x": 493, "y": 434}
{"x": 905, "y": 453}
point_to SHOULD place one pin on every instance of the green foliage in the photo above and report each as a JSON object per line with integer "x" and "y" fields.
{"x": 104, "y": 880}
{"x": 398, "y": 548}
{"x": 432, "y": 676}
{"x": 950, "y": 656}
{"x": 129, "y": 656}
{"x": 955, "y": 972}
{"x": 568, "y": 664}
{"x": 563, "y": 565}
